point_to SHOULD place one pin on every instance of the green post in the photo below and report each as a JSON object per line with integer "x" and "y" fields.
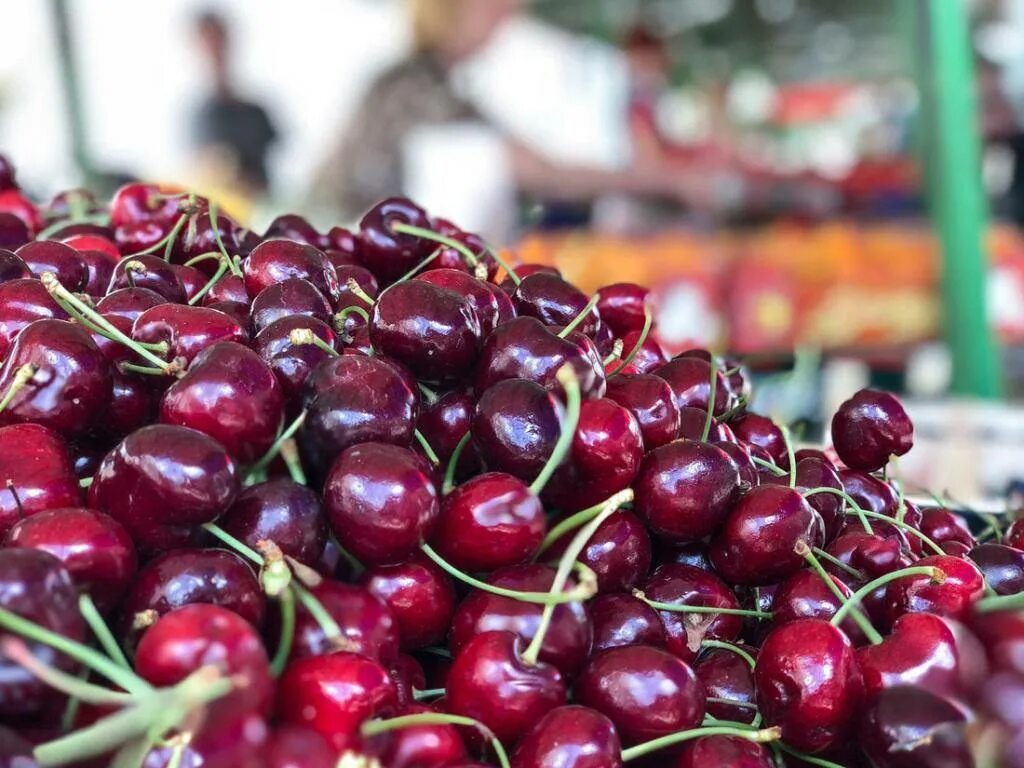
{"x": 957, "y": 200}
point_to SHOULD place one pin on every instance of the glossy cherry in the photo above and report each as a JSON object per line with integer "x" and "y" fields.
{"x": 274, "y": 261}
{"x": 129, "y": 303}
{"x": 725, "y": 751}
{"x": 50, "y": 256}
{"x": 870, "y": 428}
{"x": 187, "y": 330}
{"x": 294, "y": 296}
{"x": 298, "y": 746}
{"x": 554, "y": 301}
{"x": 481, "y": 296}
{"x": 13, "y": 231}
{"x": 12, "y": 268}
{"x": 621, "y": 306}
{"x": 515, "y": 427}
{"x": 23, "y": 301}
{"x": 649, "y": 399}
{"x": 728, "y": 677}
{"x": 620, "y": 619}
{"x": 619, "y": 552}
{"x": 99, "y": 268}
{"x": 570, "y": 736}
{"x": 283, "y": 512}
{"x": 366, "y": 624}
{"x": 150, "y": 272}
{"x": 292, "y": 363}
{"x": 942, "y": 525}
{"x": 804, "y": 595}
{"x": 689, "y": 378}
{"x": 228, "y": 288}
{"x": 419, "y": 595}
{"x": 291, "y": 226}
{"x": 961, "y": 587}
{"x": 36, "y": 473}
{"x": 385, "y": 252}
{"x": 1002, "y": 567}
{"x": 763, "y": 432}
{"x": 912, "y": 728}
{"x": 416, "y": 746}
{"x": 444, "y": 423}
{"x": 1014, "y": 536}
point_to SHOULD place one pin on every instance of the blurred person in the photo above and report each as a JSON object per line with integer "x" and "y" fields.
{"x": 415, "y": 122}
{"x": 232, "y": 136}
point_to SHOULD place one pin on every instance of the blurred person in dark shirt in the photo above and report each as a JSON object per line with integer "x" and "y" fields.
{"x": 232, "y": 135}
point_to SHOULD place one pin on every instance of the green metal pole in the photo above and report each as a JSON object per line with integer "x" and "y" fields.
{"x": 958, "y": 203}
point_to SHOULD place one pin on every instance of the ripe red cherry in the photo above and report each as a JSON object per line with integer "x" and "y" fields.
{"x": 515, "y": 427}
{"x": 554, "y": 301}
{"x": 291, "y": 226}
{"x": 942, "y": 526}
{"x": 199, "y": 635}
{"x": 191, "y": 279}
{"x": 13, "y": 231}
{"x": 649, "y": 399}
{"x": 35, "y": 586}
{"x": 764, "y": 433}
{"x": 570, "y": 736}
{"x": 912, "y": 728}
{"x": 1014, "y": 536}
{"x": 689, "y": 380}
{"x": 143, "y": 202}
{"x": 99, "y": 268}
{"x": 684, "y": 489}
{"x": 385, "y": 252}
{"x": 142, "y": 484}
{"x": 444, "y": 423}
{"x": 293, "y": 363}
{"x": 22, "y": 302}
{"x": 962, "y": 586}
{"x": 71, "y": 382}
{"x": 1002, "y": 567}
{"x": 757, "y": 543}
{"x": 381, "y": 502}
{"x": 480, "y": 295}
{"x": 490, "y": 682}
{"x": 12, "y": 268}
{"x": 150, "y": 272}
{"x": 869, "y": 428}
{"x": 728, "y": 677}
{"x": 619, "y": 619}
{"x": 294, "y": 296}
{"x": 133, "y": 404}
{"x": 647, "y": 692}
{"x": 284, "y": 512}
{"x": 568, "y": 637}
{"x": 808, "y": 683}
{"x": 431, "y": 330}
{"x": 38, "y": 473}
{"x": 489, "y": 522}
{"x": 297, "y": 746}
{"x": 201, "y": 236}
{"x": 50, "y": 256}
{"x": 96, "y": 550}
{"x": 334, "y": 695}
{"x": 804, "y": 595}
{"x": 228, "y": 288}
{"x": 187, "y": 330}
{"x": 129, "y": 303}
{"x": 621, "y": 306}
{"x": 724, "y": 751}
{"x": 366, "y": 624}
{"x": 437, "y": 744}
{"x": 419, "y": 595}
{"x": 619, "y": 552}
{"x": 274, "y": 261}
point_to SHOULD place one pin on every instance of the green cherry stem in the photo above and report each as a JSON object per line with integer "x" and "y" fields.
{"x": 213, "y": 211}
{"x": 427, "y": 450}
{"x": 848, "y": 569}
{"x": 19, "y": 381}
{"x": 574, "y": 323}
{"x": 862, "y": 514}
{"x": 17, "y": 651}
{"x": 1000, "y": 603}
{"x": 648, "y": 322}
{"x": 736, "y": 731}
{"x": 291, "y": 459}
{"x": 428, "y": 394}
{"x": 615, "y": 354}
{"x": 303, "y": 336}
{"x": 357, "y": 290}
{"x": 821, "y": 762}
{"x": 375, "y": 727}
{"x": 428, "y": 234}
{"x": 565, "y": 564}
{"x": 428, "y": 693}
{"x": 862, "y": 621}
{"x": 906, "y": 527}
{"x": 570, "y": 383}
{"x": 509, "y": 270}
{"x": 275, "y": 448}
{"x": 788, "y": 440}
{"x": 712, "y": 393}
{"x": 419, "y": 267}
{"x": 222, "y": 268}
{"x": 775, "y": 470}
{"x": 850, "y": 604}
{"x": 709, "y": 609}
{"x": 571, "y": 523}
{"x": 286, "y": 601}
{"x": 102, "y": 632}
{"x": 453, "y": 465}
{"x": 236, "y": 544}
{"x": 732, "y": 647}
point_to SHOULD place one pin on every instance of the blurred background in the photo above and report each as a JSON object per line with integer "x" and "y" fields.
{"x": 832, "y": 190}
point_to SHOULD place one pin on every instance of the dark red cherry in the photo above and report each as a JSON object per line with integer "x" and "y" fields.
{"x": 187, "y": 330}
{"x": 649, "y": 356}
{"x": 381, "y": 502}
{"x": 647, "y": 692}
{"x": 757, "y": 543}
{"x": 94, "y": 548}
{"x": 488, "y": 522}
{"x": 1014, "y": 535}
{"x": 649, "y": 399}
{"x": 297, "y": 746}
{"x": 203, "y": 235}
{"x": 195, "y": 636}
{"x": 804, "y": 595}
{"x": 620, "y": 619}
{"x": 763, "y": 432}
{"x": 909, "y": 727}
{"x": 342, "y": 242}
{"x": 129, "y": 303}
{"x": 621, "y": 306}
{"x": 292, "y": 363}
{"x": 50, "y": 256}
{"x": 869, "y": 429}
{"x": 570, "y": 736}
{"x": 808, "y": 683}
{"x": 191, "y": 279}
{"x": 694, "y": 554}
{"x": 35, "y": 586}
{"x": 70, "y": 384}
{"x": 187, "y": 576}
{"x": 133, "y": 404}
{"x": 291, "y": 226}
{"x": 150, "y": 272}
{"x": 334, "y": 695}
{"x": 619, "y": 552}
{"x": 869, "y": 492}
{"x": 689, "y": 378}
{"x": 12, "y": 268}
{"x": 1002, "y": 567}
{"x": 367, "y": 625}
{"x": 99, "y": 268}
{"x": 284, "y": 512}
{"x": 418, "y": 746}
{"x": 728, "y": 677}
{"x": 161, "y": 481}
{"x": 356, "y": 399}
{"x": 490, "y": 682}
{"x": 36, "y": 473}
{"x": 385, "y": 252}
{"x": 962, "y": 586}
{"x": 678, "y": 584}
{"x": 691, "y": 425}
{"x": 724, "y": 751}
{"x": 409, "y": 677}
{"x": 515, "y": 427}
{"x": 568, "y": 638}
{"x": 741, "y": 458}
{"x": 431, "y": 330}
{"x": 445, "y": 422}
{"x": 604, "y": 457}
{"x": 228, "y": 288}
{"x": 8, "y": 177}
{"x": 14, "y": 232}
{"x": 239, "y": 743}
{"x": 942, "y": 526}
{"x": 554, "y": 301}
{"x": 1002, "y": 633}
{"x": 524, "y": 348}
{"x": 480, "y": 296}
{"x": 230, "y": 394}
{"x": 274, "y": 261}
{"x": 814, "y": 472}
{"x": 288, "y": 298}
{"x": 143, "y": 202}
{"x": 684, "y": 489}
{"x": 419, "y": 595}
{"x": 23, "y": 302}
{"x": 523, "y": 271}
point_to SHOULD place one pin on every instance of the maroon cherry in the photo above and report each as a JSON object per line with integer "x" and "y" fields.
{"x": 444, "y": 423}
{"x": 291, "y": 226}
{"x": 418, "y": 746}
{"x": 50, "y": 256}
{"x": 757, "y": 544}
{"x": 366, "y": 624}
{"x": 292, "y": 363}
{"x": 942, "y": 526}
{"x": 1002, "y": 567}
{"x": 870, "y": 493}
{"x": 1014, "y": 536}
{"x": 274, "y": 261}
{"x": 13, "y": 231}
{"x": 619, "y": 552}
{"x": 296, "y": 746}
{"x": 620, "y": 619}
{"x": 649, "y": 356}
{"x": 161, "y": 480}
{"x": 192, "y": 280}
{"x": 567, "y": 640}
{"x": 37, "y": 473}
{"x": 133, "y": 404}
{"x": 909, "y": 727}
{"x": 228, "y": 288}
{"x": 647, "y": 692}
{"x": 554, "y": 301}
{"x": 431, "y": 330}
{"x": 763, "y": 432}
{"x": 804, "y": 595}
{"x": 150, "y": 272}
{"x": 808, "y": 683}
{"x": 515, "y": 427}
{"x": 491, "y": 682}
{"x": 129, "y": 303}
{"x": 621, "y": 306}
{"x": 384, "y": 250}
{"x": 35, "y": 586}
{"x": 570, "y": 736}
{"x": 22, "y": 302}
{"x": 728, "y": 677}
{"x": 204, "y": 234}
{"x": 12, "y": 268}
{"x": 420, "y": 596}
{"x": 480, "y": 295}
{"x": 230, "y": 394}
{"x": 741, "y": 458}
{"x": 684, "y": 489}
{"x": 724, "y": 751}
{"x": 283, "y": 512}
{"x": 137, "y": 201}
{"x": 288, "y": 298}
{"x": 381, "y": 502}
{"x": 689, "y": 380}
{"x": 814, "y": 472}
{"x": 683, "y": 585}
{"x": 94, "y": 548}
{"x": 649, "y": 399}
{"x": 187, "y": 330}
{"x": 953, "y": 596}
{"x": 870, "y": 428}
{"x": 99, "y": 268}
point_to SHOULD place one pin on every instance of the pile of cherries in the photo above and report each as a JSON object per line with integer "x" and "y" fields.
{"x": 376, "y": 498}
